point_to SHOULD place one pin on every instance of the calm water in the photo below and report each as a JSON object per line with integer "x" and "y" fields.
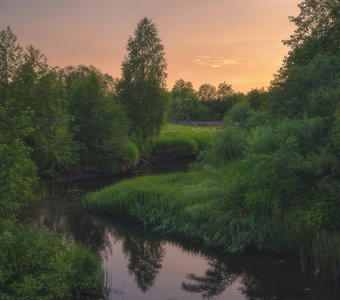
{"x": 142, "y": 265}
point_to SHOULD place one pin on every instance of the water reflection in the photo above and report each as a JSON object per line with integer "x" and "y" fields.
{"x": 259, "y": 278}
{"x": 151, "y": 267}
{"x": 60, "y": 210}
{"x": 143, "y": 252}
{"x": 145, "y": 260}
{"x": 213, "y": 283}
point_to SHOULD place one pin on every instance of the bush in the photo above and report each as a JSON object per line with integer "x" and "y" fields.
{"x": 38, "y": 265}
{"x": 229, "y": 145}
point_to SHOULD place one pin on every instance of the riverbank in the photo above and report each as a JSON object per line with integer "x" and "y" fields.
{"x": 137, "y": 259}
{"x": 189, "y": 205}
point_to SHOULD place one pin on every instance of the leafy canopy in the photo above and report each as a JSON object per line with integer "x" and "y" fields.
{"x": 142, "y": 87}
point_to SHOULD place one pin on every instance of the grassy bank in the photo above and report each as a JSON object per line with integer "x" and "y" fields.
{"x": 170, "y": 203}
{"x": 195, "y": 205}
{"x": 184, "y": 140}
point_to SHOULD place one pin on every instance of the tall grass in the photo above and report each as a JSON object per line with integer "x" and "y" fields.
{"x": 173, "y": 203}
{"x": 208, "y": 206}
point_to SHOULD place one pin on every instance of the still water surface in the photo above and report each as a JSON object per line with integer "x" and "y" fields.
{"x": 142, "y": 265}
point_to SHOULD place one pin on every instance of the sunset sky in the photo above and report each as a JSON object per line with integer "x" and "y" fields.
{"x": 205, "y": 41}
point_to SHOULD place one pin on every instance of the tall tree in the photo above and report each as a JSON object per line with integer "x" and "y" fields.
{"x": 142, "y": 86}
{"x": 36, "y": 88}
{"x": 317, "y": 32}
{"x": 10, "y": 59}
{"x": 318, "y": 19}
{"x": 99, "y": 122}
{"x": 312, "y": 64}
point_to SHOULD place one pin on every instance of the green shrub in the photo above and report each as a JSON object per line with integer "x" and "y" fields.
{"x": 38, "y": 265}
{"x": 229, "y": 145}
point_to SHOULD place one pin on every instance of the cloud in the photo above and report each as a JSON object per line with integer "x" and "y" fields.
{"x": 214, "y": 62}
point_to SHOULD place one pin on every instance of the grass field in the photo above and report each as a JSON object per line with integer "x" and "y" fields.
{"x": 184, "y": 140}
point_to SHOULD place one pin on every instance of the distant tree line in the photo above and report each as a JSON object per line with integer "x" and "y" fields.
{"x": 208, "y": 103}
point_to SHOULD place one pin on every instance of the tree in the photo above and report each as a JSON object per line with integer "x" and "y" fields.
{"x": 256, "y": 98}
{"x": 207, "y": 92}
{"x": 317, "y": 32}
{"x": 10, "y": 59}
{"x": 311, "y": 70}
{"x": 318, "y": 19}
{"x": 36, "y": 89}
{"x": 17, "y": 173}
{"x": 142, "y": 86}
{"x": 224, "y": 91}
{"x": 183, "y": 90}
{"x": 99, "y": 121}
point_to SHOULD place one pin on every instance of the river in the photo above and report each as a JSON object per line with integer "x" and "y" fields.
{"x": 142, "y": 265}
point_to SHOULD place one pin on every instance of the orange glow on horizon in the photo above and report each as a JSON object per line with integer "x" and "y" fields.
{"x": 205, "y": 42}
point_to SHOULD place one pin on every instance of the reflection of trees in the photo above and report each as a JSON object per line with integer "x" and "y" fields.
{"x": 255, "y": 289}
{"x": 144, "y": 251}
{"x": 145, "y": 258}
{"x": 59, "y": 210}
{"x": 261, "y": 279}
{"x": 213, "y": 283}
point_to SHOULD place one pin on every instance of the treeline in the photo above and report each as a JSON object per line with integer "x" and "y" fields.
{"x": 205, "y": 104}
{"x": 67, "y": 118}
{"x": 77, "y": 118}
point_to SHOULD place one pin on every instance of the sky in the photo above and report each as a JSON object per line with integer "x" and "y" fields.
{"x": 206, "y": 41}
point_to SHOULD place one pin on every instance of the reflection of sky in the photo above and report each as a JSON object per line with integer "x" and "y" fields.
{"x": 205, "y": 41}
{"x": 175, "y": 265}
{"x": 129, "y": 253}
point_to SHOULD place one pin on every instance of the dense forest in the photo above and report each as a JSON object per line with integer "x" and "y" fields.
{"x": 269, "y": 182}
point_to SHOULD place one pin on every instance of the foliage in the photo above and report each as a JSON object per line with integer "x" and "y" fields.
{"x": 17, "y": 174}
{"x": 35, "y": 88}
{"x": 311, "y": 89}
{"x": 229, "y": 145}
{"x": 317, "y": 31}
{"x": 207, "y": 92}
{"x": 100, "y": 124}
{"x": 183, "y": 90}
{"x": 142, "y": 87}
{"x": 10, "y": 59}
{"x": 38, "y": 265}
{"x": 193, "y": 110}
{"x": 35, "y": 136}
{"x": 224, "y": 91}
